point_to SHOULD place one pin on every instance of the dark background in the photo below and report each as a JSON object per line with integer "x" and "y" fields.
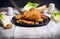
{"x": 21, "y": 3}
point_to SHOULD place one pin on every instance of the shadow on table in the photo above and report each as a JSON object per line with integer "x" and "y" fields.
{"x": 57, "y": 36}
{"x": 3, "y": 36}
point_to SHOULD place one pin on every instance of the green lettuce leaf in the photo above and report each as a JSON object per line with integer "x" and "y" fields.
{"x": 2, "y": 16}
{"x": 30, "y": 5}
{"x": 56, "y": 16}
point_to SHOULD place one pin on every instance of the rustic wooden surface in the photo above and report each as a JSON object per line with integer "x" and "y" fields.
{"x": 50, "y": 31}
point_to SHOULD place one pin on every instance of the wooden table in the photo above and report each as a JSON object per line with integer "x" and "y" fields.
{"x": 51, "y": 30}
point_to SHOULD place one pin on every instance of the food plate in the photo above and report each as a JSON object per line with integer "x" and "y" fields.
{"x": 45, "y": 22}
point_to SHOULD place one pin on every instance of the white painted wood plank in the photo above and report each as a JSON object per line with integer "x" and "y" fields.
{"x": 55, "y": 29}
{"x": 37, "y": 32}
{"x": 6, "y": 33}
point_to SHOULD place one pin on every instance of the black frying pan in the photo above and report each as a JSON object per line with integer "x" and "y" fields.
{"x": 45, "y": 22}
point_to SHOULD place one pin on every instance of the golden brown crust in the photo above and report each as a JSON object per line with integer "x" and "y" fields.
{"x": 43, "y": 16}
{"x": 19, "y": 16}
{"x": 34, "y": 16}
{"x": 26, "y": 22}
{"x": 8, "y": 26}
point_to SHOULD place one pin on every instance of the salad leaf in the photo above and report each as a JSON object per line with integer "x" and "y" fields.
{"x": 34, "y": 5}
{"x": 30, "y": 5}
{"x": 56, "y": 15}
{"x": 3, "y": 19}
{"x": 2, "y": 16}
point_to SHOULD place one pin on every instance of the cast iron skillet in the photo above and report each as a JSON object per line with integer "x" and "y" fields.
{"x": 45, "y": 22}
